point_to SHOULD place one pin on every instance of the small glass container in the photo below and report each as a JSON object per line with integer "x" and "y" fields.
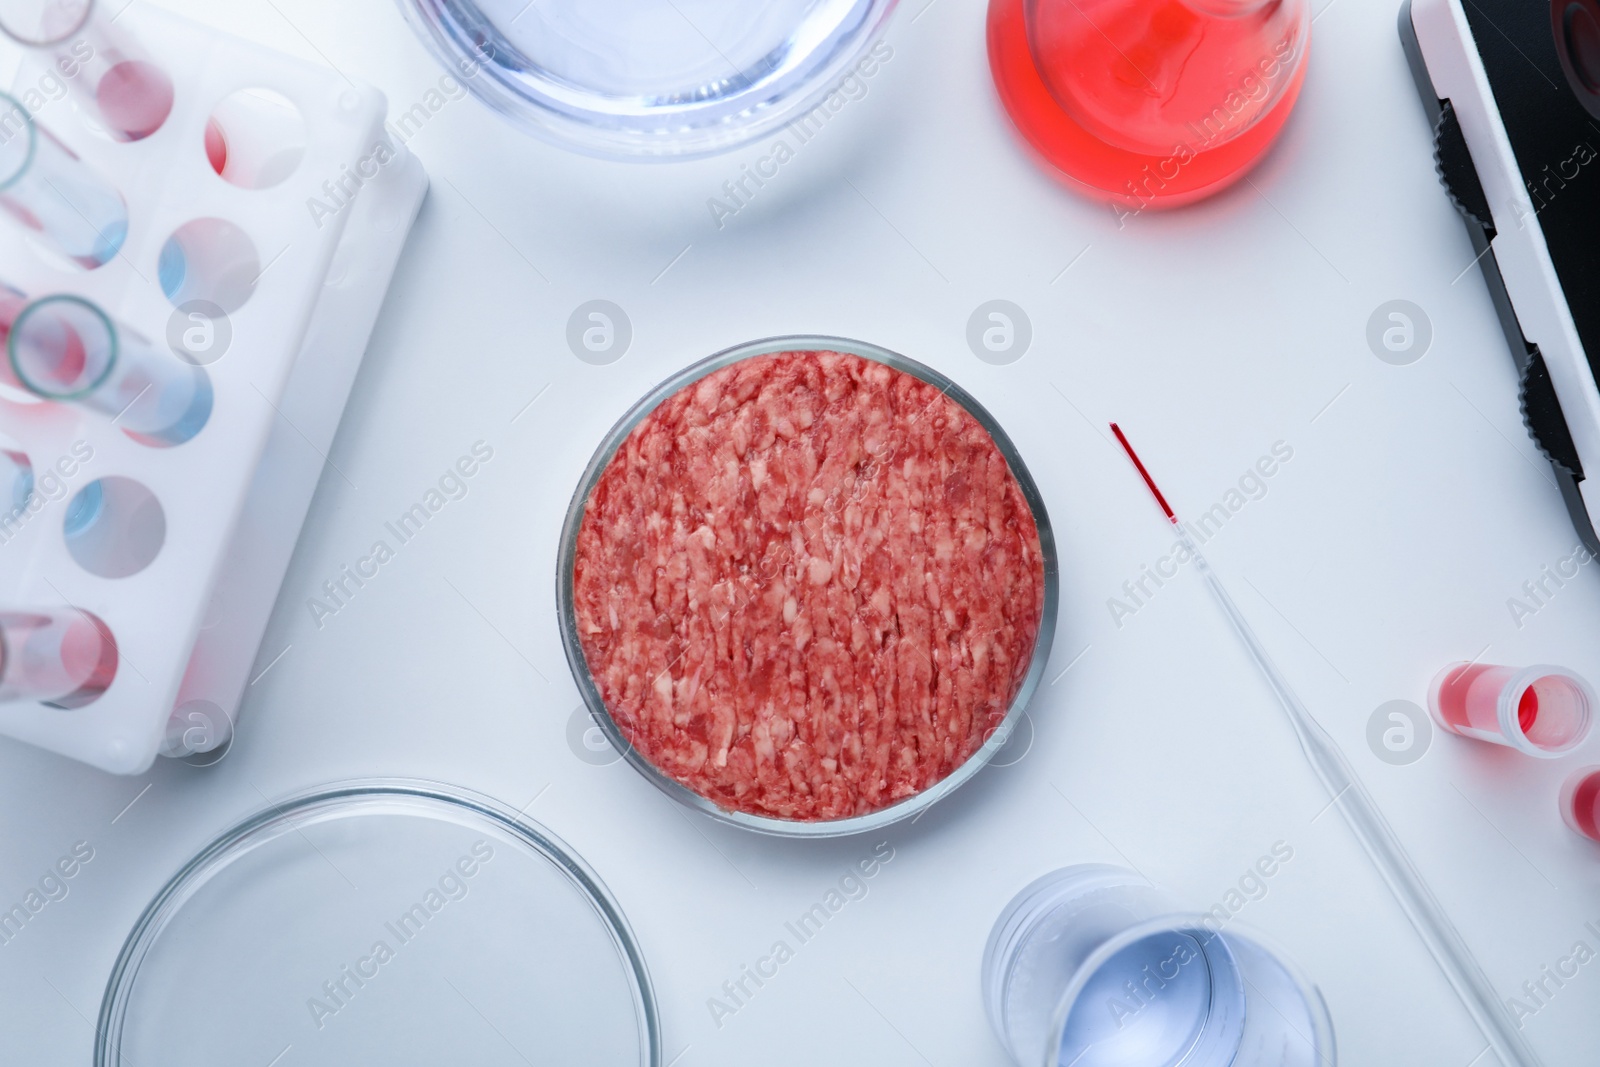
{"x": 381, "y": 922}
{"x": 626, "y": 80}
{"x": 1092, "y": 966}
{"x": 902, "y": 809}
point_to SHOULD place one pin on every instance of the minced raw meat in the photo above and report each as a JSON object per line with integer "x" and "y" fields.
{"x": 808, "y": 585}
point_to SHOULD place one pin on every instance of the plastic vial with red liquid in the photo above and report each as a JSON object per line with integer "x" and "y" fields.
{"x": 1540, "y": 711}
{"x": 1149, "y": 103}
{"x": 1580, "y": 802}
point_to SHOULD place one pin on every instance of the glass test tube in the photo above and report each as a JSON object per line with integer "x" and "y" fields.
{"x": 107, "y": 70}
{"x": 58, "y": 656}
{"x": 12, "y": 301}
{"x": 52, "y": 192}
{"x": 65, "y": 348}
{"x": 16, "y": 482}
{"x": 16, "y": 472}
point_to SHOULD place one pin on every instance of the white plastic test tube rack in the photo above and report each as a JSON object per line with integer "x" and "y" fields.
{"x": 206, "y": 561}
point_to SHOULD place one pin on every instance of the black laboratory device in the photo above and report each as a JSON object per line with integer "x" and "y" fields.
{"x": 1512, "y": 88}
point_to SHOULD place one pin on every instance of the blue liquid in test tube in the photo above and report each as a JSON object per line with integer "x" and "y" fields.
{"x": 66, "y": 349}
{"x": 50, "y": 191}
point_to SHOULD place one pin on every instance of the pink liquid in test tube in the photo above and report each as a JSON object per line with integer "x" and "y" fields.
{"x": 12, "y": 301}
{"x": 1580, "y": 802}
{"x": 1541, "y": 711}
{"x": 67, "y": 349}
{"x": 58, "y": 656}
{"x": 104, "y": 66}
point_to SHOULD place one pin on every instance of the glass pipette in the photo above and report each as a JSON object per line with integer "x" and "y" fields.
{"x": 1451, "y": 953}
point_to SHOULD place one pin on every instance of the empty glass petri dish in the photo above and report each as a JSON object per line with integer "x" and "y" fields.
{"x": 650, "y": 79}
{"x": 381, "y": 922}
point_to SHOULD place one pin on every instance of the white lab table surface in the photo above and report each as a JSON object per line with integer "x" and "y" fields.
{"x": 1412, "y": 509}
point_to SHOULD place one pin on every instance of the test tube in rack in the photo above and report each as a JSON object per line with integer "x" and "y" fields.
{"x": 12, "y": 301}
{"x": 109, "y": 73}
{"x": 63, "y": 657}
{"x": 65, "y": 348}
{"x": 16, "y": 472}
{"x": 49, "y": 190}
{"x": 16, "y": 481}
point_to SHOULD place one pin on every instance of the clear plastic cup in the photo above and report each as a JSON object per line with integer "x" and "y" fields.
{"x": 63, "y": 657}
{"x": 66, "y": 348}
{"x": 1092, "y": 966}
{"x": 108, "y": 72}
{"x": 1580, "y": 802}
{"x": 46, "y": 188}
{"x": 1541, "y": 710}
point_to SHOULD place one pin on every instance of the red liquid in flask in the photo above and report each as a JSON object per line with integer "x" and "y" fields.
{"x": 1149, "y": 102}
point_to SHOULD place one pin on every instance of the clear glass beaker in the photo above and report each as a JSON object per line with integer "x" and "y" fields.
{"x": 1092, "y": 966}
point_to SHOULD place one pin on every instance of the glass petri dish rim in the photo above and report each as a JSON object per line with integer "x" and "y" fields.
{"x": 855, "y": 824}
{"x": 1193, "y": 923}
{"x": 269, "y": 823}
{"x": 560, "y": 120}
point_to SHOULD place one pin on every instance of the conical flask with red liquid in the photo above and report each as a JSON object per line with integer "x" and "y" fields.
{"x": 1149, "y": 103}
